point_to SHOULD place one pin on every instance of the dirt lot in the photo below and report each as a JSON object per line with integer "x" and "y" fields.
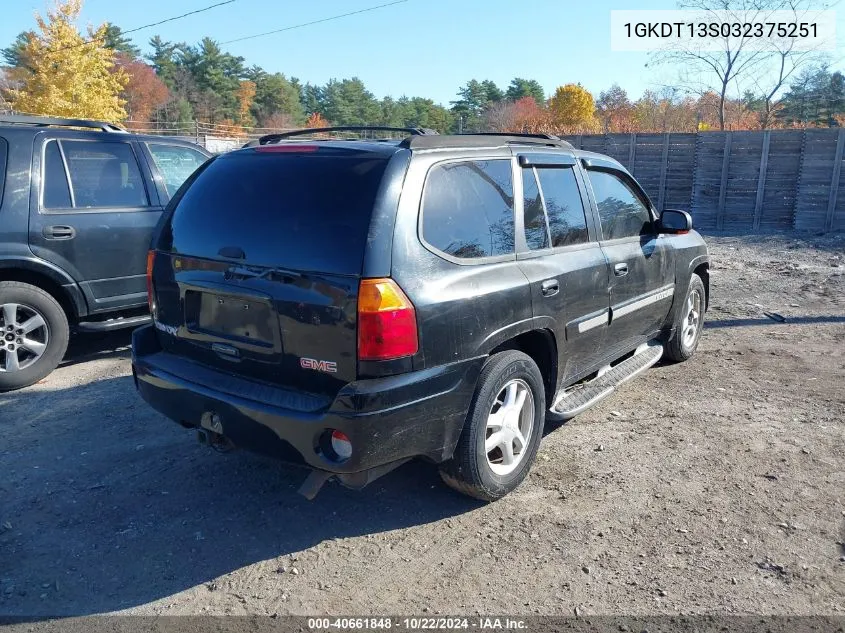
{"x": 716, "y": 486}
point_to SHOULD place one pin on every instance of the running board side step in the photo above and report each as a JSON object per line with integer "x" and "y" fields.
{"x": 113, "y": 324}
{"x": 578, "y": 398}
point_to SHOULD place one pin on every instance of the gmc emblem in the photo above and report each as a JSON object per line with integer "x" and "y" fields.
{"x": 318, "y": 365}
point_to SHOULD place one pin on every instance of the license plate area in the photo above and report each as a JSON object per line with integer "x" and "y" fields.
{"x": 232, "y": 317}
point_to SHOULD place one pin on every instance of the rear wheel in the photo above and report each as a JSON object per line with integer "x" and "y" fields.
{"x": 689, "y": 323}
{"x": 33, "y": 334}
{"x": 502, "y": 431}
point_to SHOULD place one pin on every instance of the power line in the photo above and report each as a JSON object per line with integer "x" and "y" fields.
{"x": 179, "y": 17}
{"x": 147, "y": 26}
{"x": 299, "y": 26}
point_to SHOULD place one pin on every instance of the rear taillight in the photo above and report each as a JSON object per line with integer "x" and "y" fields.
{"x": 387, "y": 323}
{"x": 151, "y": 258}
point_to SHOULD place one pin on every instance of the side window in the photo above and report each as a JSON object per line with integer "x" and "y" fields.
{"x": 565, "y": 210}
{"x": 104, "y": 174}
{"x": 175, "y": 163}
{"x": 467, "y": 209}
{"x": 622, "y": 212}
{"x": 56, "y": 190}
{"x": 536, "y": 231}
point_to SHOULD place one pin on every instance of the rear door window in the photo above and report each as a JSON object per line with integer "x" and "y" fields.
{"x": 536, "y": 229}
{"x": 104, "y": 175}
{"x": 175, "y": 163}
{"x": 56, "y": 189}
{"x": 300, "y": 210}
{"x": 564, "y": 208}
{"x": 467, "y": 210}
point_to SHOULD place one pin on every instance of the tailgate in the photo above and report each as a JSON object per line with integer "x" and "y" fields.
{"x": 257, "y": 268}
{"x": 277, "y": 326}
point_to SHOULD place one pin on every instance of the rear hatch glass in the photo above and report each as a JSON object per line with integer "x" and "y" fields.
{"x": 306, "y": 210}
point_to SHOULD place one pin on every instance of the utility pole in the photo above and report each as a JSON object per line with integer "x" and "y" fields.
{"x": 460, "y": 124}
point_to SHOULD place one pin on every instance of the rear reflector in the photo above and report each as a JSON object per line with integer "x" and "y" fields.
{"x": 151, "y": 257}
{"x": 290, "y": 149}
{"x": 341, "y": 445}
{"x": 387, "y": 322}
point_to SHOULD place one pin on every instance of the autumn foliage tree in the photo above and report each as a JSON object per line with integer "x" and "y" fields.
{"x": 573, "y": 109}
{"x": 144, "y": 92}
{"x": 615, "y": 110}
{"x": 67, "y": 74}
{"x": 531, "y": 117}
{"x": 246, "y": 96}
{"x": 315, "y": 119}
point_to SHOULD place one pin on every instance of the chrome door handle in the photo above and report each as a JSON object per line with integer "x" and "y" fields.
{"x": 620, "y": 270}
{"x": 550, "y": 287}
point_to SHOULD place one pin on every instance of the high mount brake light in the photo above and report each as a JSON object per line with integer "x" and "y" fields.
{"x": 387, "y": 321}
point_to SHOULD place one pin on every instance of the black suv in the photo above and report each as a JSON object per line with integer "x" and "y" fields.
{"x": 352, "y": 304}
{"x": 79, "y": 201}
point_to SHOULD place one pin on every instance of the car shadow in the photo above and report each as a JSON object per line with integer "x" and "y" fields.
{"x": 107, "y": 505}
{"x": 766, "y": 321}
{"x": 84, "y": 347}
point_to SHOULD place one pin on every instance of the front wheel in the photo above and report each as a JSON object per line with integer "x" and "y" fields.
{"x": 688, "y": 323}
{"x": 502, "y": 431}
{"x": 33, "y": 334}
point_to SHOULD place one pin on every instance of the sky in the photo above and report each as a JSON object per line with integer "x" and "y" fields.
{"x": 426, "y": 48}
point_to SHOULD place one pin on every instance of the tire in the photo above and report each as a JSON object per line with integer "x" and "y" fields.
{"x": 37, "y": 351}
{"x": 686, "y": 335}
{"x": 487, "y": 476}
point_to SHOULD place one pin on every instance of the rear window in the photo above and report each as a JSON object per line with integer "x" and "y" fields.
{"x": 307, "y": 211}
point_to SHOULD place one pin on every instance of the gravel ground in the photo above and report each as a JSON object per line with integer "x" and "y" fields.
{"x": 714, "y": 486}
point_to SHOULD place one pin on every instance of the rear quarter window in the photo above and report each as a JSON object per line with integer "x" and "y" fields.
{"x": 467, "y": 210}
{"x": 175, "y": 163}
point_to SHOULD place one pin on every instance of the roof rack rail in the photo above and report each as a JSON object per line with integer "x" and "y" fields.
{"x": 483, "y": 139}
{"x": 46, "y": 121}
{"x": 526, "y": 135}
{"x": 548, "y": 137}
{"x": 280, "y": 136}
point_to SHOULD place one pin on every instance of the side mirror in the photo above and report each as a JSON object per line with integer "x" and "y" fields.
{"x": 675, "y": 222}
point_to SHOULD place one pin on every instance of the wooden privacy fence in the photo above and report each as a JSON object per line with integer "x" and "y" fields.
{"x": 738, "y": 181}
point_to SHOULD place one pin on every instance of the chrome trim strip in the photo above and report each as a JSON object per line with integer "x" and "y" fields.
{"x": 659, "y": 295}
{"x": 595, "y": 322}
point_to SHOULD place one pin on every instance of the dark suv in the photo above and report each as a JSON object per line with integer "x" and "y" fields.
{"x": 79, "y": 201}
{"x": 352, "y": 304}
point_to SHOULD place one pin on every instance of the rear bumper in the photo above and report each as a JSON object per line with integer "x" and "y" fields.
{"x": 387, "y": 419}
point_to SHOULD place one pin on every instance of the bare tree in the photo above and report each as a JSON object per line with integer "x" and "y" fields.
{"x": 785, "y": 60}
{"x": 705, "y": 69}
{"x": 499, "y": 117}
